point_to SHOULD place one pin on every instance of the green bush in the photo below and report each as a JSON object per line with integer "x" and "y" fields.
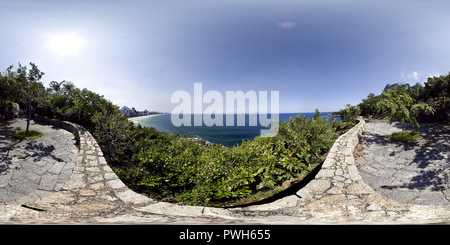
{"x": 178, "y": 169}
{"x": 407, "y": 137}
{"x": 20, "y": 135}
{"x": 181, "y": 170}
{"x": 349, "y": 114}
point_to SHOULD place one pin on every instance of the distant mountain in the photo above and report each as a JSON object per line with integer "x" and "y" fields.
{"x": 389, "y": 86}
{"x": 125, "y": 108}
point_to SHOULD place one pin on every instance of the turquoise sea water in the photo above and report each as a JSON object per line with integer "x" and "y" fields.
{"x": 226, "y": 135}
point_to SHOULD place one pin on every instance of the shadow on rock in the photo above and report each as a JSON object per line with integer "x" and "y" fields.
{"x": 39, "y": 151}
{"x": 433, "y": 180}
{"x": 430, "y": 155}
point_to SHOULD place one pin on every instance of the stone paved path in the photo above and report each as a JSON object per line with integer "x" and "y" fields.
{"x": 33, "y": 169}
{"x": 415, "y": 173}
{"x": 94, "y": 194}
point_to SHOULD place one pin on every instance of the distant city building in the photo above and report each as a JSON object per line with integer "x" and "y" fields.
{"x": 126, "y": 111}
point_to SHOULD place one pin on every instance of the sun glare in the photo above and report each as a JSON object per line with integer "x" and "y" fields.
{"x": 65, "y": 44}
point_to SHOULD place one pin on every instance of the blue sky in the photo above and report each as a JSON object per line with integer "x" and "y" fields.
{"x": 317, "y": 54}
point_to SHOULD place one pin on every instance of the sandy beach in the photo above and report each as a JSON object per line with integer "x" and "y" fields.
{"x": 141, "y": 117}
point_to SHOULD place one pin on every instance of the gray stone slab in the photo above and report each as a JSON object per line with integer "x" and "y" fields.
{"x": 40, "y": 163}
{"x": 4, "y": 179}
{"x": 446, "y": 193}
{"x": 42, "y": 170}
{"x": 379, "y": 158}
{"x": 385, "y": 173}
{"x": 48, "y": 182}
{"x": 58, "y": 186}
{"x": 17, "y": 173}
{"x": 18, "y": 181}
{"x": 405, "y": 174}
{"x": 63, "y": 178}
{"x": 414, "y": 167}
{"x": 68, "y": 166}
{"x": 395, "y": 165}
{"x": 407, "y": 155}
{"x": 381, "y": 183}
{"x": 400, "y": 196}
{"x": 35, "y": 178}
{"x": 368, "y": 178}
{"x": 400, "y": 185}
{"x": 34, "y": 196}
{"x": 377, "y": 166}
{"x": 360, "y": 161}
{"x": 73, "y": 157}
{"x": 6, "y": 195}
{"x": 367, "y": 168}
{"x": 23, "y": 188}
{"x": 401, "y": 160}
{"x": 63, "y": 158}
{"x": 433, "y": 198}
{"x": 28, "y": 166}
{"x": 370, "y": 162}
{"x": 368, "y": 155}
{"x": 380, "y": 152}
{"x": 57, "y": 167}
{"x": 426, "y": 185}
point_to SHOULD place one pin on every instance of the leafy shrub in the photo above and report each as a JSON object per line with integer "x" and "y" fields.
{"x": 349, "y": 114}
{"x": 181, "y": 170}
{"x": 407, "y": 137}
{"x": 20, "y": 135}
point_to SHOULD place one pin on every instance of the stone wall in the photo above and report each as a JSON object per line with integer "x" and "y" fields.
{"x": 337, "y": 180}
{"x": 339, "y": 176}
{"x": 91, "y": 178}
{"x": 336, "y": 194}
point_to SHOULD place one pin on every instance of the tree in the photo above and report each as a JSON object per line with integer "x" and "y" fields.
{"x": 350, "y": 113}
{"x": 369, "y": 104}
{"x": 402, "y": 106}
{"x": 439, "y": 87}
{"x": 31, "y": 89}
{"x": 417, "y": 92}
{"x": 61, "y": 88}
{"x": 8, "y": 91}
{"x": 87, "y": 104}
{"x": 59, "y": 100}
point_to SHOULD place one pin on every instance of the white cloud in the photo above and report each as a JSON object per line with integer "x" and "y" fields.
{"x": 413, "y": 74}
{"x": 287, "y": 24}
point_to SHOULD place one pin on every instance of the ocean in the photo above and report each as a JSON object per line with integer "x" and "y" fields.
{"x": 228, "y": 136}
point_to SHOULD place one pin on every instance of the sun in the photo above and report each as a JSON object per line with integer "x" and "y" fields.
{"x": 65, "y": 44}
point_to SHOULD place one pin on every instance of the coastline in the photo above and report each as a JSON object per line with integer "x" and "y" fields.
{"x": 132, "y": 119}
